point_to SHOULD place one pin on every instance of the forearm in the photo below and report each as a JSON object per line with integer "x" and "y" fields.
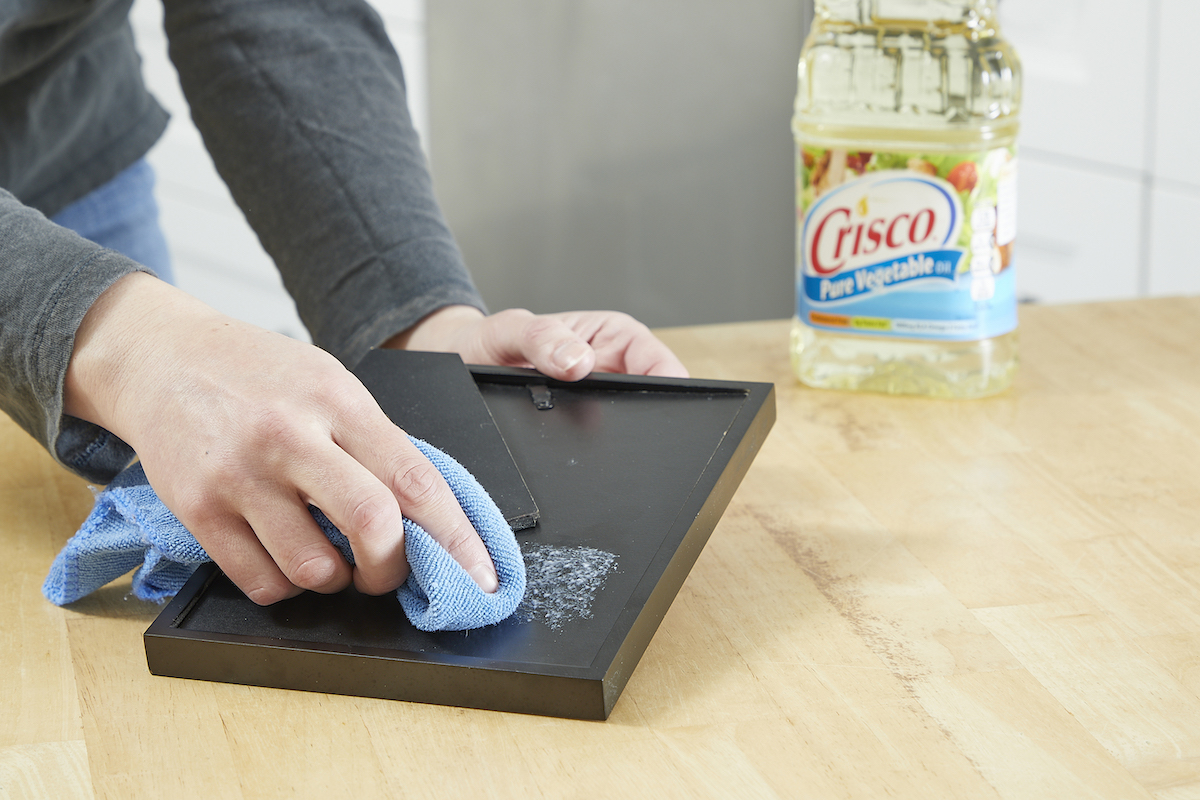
{"x": 304, "y": 112}
{"x": 49, "y": 278}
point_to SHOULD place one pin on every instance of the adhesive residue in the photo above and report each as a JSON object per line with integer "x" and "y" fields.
{"x": 561, "y": 582}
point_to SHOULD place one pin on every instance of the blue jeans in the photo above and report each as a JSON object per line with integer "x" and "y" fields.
{"x": 122, "y": 215}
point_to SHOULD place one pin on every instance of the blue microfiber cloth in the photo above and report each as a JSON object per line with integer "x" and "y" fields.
{"x": 130, "y": 527}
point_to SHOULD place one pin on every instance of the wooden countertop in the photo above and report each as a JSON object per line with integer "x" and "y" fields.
{"x": 906, "y": 598}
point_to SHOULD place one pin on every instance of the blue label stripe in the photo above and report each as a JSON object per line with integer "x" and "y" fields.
{"x": 951, "y": 314}
{"x": 875, "y": 278}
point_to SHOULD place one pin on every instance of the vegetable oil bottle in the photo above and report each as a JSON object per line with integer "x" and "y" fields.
{"x": 906, "y": 125}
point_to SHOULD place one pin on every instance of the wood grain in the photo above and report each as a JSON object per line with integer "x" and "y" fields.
{"x": 906, "y": 598}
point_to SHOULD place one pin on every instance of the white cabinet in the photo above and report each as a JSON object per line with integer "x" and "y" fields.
{"x": 1174, "y": 258}
{"x": 1073, "y": 242}
{"x": 1174, "y": 213}
{"x": 1177, "y": 100}
{"x": 1110, "y": 169}
{"x": 1085, "y": 71}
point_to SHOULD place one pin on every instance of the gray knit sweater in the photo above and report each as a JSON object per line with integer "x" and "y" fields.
{"x": 302, "y": 106}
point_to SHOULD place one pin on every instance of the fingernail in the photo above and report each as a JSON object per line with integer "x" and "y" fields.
{"x": 486, "y": 578}
{"x": 569, "y": 354}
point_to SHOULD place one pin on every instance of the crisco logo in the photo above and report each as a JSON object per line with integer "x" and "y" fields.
{"x": 880, "y": 217}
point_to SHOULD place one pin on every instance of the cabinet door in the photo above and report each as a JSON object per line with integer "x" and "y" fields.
{"x": 1084, "y": 63}
{"x": 1176, "y": 152}
{"x": 1174, "y": 258}
{"x": 1077, "y": 235}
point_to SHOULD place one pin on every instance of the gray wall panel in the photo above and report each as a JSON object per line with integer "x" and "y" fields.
{"x": 628, "y": 154}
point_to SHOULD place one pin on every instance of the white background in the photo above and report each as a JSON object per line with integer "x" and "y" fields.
{"x": 1109, "y": 179}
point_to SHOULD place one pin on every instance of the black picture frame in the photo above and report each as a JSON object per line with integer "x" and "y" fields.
{"x": 639, "y": 469}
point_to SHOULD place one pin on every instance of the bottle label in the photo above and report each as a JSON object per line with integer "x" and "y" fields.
{"x": 905, "y": 244}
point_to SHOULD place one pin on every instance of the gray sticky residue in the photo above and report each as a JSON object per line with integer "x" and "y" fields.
{"x": 561, "y": 582}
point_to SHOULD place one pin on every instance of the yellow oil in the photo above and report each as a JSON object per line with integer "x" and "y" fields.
{"x": 938, "y": 79}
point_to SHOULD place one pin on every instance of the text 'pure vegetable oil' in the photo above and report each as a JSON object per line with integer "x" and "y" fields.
{"x": 906, "y": 176}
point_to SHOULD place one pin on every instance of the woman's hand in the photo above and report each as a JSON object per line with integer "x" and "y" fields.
{"x": 566, "y": 346}
{"x": 240, "y": 429}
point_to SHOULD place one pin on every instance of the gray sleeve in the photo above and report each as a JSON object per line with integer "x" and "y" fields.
{"x": 302, "y": 106}
{"x": 49, "y": 278}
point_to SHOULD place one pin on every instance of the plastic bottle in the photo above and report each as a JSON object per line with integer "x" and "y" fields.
{"x": 906, "y": 125}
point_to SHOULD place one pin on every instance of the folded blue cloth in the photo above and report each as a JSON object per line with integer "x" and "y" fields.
{"x": 130, "y": 527}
